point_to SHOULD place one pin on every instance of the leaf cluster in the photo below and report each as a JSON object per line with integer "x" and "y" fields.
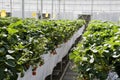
{"x": 99, "y": 50}
{"x": 22, "y": 42}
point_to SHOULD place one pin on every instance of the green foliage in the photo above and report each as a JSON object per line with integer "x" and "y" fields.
{"x": 22, "y": 42}
{"x": 98, "y": 51}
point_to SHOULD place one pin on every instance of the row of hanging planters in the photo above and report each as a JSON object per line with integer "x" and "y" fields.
{"x": 22, "y": 42}
{"x": 98, "y": 52}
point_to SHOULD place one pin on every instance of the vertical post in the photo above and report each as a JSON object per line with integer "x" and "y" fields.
{"x": 37, "y": 12}
{"x": 61, "y": 65}
{"x": 110, "y": 10}
{"x": 64, "y": 9}
{"x": 59, "y": 10}
{"x": 37, "y": 6}
{"x": 41, "y": 8}
{"x": 29, "y": 9}
{"x": 52, "y": 9}
{"x": 2, "y": 4}
{"x": 23, "y": 7}
{"x": 91, "y": 9}
{"x": 11, "y": 7}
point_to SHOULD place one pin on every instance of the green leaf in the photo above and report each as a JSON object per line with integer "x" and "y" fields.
{"x": 2, "y": 51}
{"x": 2, "y": 59}
{"x": 12, "y": 31}
{"x": 1, "y": 73}
{"x": 10, "y": 63}
{"x": 9, "y": 57}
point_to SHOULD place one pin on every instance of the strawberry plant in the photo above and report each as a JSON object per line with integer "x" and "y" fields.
{"x": 22, "y": 42}
{"x": 98, "y": 52}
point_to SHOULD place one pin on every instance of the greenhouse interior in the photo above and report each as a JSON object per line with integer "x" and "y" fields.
{"x": 59, "y": 39}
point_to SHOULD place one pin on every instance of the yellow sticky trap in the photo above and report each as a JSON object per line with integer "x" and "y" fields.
{"x": 3, "y": 13}
{"x": 46, "y": 15}
{"x": 34, "y": 14}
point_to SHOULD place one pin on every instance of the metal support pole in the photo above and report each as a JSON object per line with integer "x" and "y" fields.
{"x": 52, "y": 9}
{"x": 2, "y": 4}
{"x": 37, "y": 6}
{"x": 91, "y": 9}
{"x": 41, "y": 9}
{"x": 37, "y": 12}
{"x": 51, "y": 77}
{"x": 59, "y": 10}
{"x": 23, "y": 9}
{"x": 61, "y": 65}
{"x": 110, "y": 10}
{"x": 64, "y": 9}
{"x": 11, "y": 7}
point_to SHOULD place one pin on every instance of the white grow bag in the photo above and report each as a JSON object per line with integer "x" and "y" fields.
{"x": 50, "y": 61}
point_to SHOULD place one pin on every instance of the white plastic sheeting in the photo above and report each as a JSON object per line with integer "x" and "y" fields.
{"x": 106, "y": 16}
{"x": 50, "y": 61}
{"x": 65, "y": 9}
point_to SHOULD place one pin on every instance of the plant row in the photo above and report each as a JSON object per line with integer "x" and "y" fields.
{"x": 22, "y": 42}
{"x": 98, "y": 52}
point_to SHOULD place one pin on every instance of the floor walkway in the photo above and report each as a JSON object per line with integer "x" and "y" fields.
{"x": 70, "y": 74}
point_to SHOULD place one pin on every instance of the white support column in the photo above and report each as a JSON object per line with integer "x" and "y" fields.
{"x": 64, "y": 9}
{"x": 37, "y": 6}
{"x": 52, "y": 9}
{"x": 92, "y": 5}
{"x": 59, "y": 9}
{"x": 11, "y": 7}
{"x": 37, "y": 12}
{"x": 41, "y": 9}
{"x": 23, "y": 9}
